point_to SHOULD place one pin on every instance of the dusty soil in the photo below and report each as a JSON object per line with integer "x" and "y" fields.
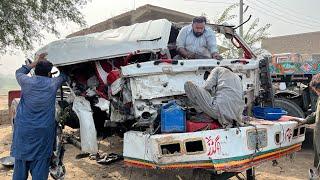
{"x": 3, "y": 102}
{"x": 4, "y": 113}
{"x": 296, "y": 168}
{"x": 85, "y": 168}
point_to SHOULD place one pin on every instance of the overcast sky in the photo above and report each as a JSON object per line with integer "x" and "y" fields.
{"x": 286, "y": 17}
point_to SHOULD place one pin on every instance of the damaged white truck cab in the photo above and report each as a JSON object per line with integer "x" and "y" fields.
{"x": 128, "y": 74}
{"x": 227, "y": 150}
{"x": 154, "y": 83}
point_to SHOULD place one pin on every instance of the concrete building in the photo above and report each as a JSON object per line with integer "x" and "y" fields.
{"x": 306, "y": 44}
{"x": 141, "y": 14}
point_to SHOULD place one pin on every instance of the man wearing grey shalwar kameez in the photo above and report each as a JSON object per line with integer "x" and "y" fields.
{"x": 221, "y": 97}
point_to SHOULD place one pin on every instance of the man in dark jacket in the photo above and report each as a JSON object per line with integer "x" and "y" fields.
{"x": 35, "y": 125}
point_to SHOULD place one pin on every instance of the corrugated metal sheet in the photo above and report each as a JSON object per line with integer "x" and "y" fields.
{"x": 151, "y": 35}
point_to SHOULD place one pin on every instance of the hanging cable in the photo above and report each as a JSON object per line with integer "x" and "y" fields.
{"x": 294, "y": 12}
{"x": 294, "y": 17}
{"x": 211, "y": 2}
{"x": 279, "y": 18}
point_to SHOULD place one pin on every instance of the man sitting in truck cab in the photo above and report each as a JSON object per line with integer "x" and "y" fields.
{"x": 197, "y": 41}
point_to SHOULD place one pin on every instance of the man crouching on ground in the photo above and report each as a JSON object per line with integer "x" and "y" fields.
{"x": 35, "y": 125}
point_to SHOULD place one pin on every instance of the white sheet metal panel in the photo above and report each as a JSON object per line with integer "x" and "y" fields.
{"x": 148, "y": 68}
{"x": 137, "y": 144}
{"x": 148, "y": 36}
{"x": 163, "y": 85}
{"x": 149, "y": 81}
{"x": 232, "y": 142}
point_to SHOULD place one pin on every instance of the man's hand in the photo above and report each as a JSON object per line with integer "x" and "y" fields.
{"x": 41, "y": 56}
{"x": 216, "y": 55}
{"x": 38, "y": 58}
{"x": 186, "y": 54}
{"x": 300, "y": 122}
{"x": 191, "y": 55}
{"x": 199, "y": 56}
{"x": 308, "y": 120}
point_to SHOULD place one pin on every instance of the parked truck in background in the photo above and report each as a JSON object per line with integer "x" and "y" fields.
{"x": 291, "y": 76}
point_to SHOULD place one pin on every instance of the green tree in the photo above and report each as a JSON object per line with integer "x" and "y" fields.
{"x": 23, "y": 22}
{"x": 253, "y": 35}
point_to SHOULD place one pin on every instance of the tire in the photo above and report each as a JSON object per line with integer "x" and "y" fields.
{"x": 292, "y": 108}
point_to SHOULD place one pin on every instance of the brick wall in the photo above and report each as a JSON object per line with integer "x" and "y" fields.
{"x": 141, "y": 14}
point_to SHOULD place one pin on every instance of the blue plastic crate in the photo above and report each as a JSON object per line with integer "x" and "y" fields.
{"x": 268, "y": 113}
{"x": 173, "y": 118}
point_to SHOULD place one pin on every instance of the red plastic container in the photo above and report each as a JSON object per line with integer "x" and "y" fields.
{"x": 193, "y": 126}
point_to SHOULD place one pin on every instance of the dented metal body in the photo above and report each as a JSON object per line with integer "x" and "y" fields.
{"x": 230, "y": 150}
{"x": 127, "y": 74}
{"x": 142, "y": 37}
{"x": 153, "y": 85}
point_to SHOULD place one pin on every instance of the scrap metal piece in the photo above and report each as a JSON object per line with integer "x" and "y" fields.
{"x": 88, "y": 133}
{"x": 73, "y": 140}
{"x": 110, "y": 158}
{"x": 82, "y": 155}
{"x": 313, "y": 174}
{"x": 7, "y": 161}
{"x": 103, "y": 104}
{"x": 266, "y": 84}
{"x": 57, "y": 169}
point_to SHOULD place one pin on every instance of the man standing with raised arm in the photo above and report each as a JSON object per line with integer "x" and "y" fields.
{"x": 34, "y": 124}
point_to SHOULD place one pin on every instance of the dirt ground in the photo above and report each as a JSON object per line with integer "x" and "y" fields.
{"x": 3, "y": 102}
{"x": 85, "y": 168}
{"x": 296, "y": 168}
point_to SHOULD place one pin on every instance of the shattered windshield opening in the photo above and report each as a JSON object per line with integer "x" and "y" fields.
{"x": 228, "y": 46}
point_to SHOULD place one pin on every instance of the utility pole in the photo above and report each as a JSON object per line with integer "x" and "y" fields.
{"x": 134, "y": 4}
{"x": 241, "y": 18}
{"x": 241, "y": 27}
